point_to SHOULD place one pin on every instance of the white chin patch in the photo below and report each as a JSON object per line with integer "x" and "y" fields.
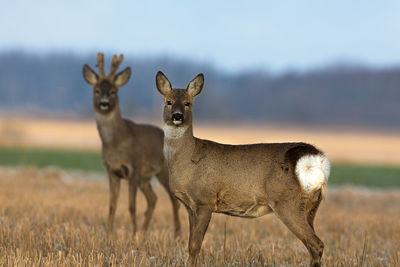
{"x": 104, "y": 107}
{"x": 177, "y": 122}
{"x": 174, "y": 132}
{"x": 312, "y": 171}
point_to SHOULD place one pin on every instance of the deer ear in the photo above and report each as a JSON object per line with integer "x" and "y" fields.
{"x": 195, "y": 86}
{"x": 122, "y": 77}
{"x": 162, "y": 83}
{"x": 90, "y": 76}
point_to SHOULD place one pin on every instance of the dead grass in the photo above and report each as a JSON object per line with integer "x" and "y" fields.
{"x": 47, "y": 219}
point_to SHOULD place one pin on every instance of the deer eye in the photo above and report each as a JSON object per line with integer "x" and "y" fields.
{"x": 187, "y": 104}
{"x": 97, "y": 92}
{"x": 112, "y": 92}
{"x": 169, "y": 103}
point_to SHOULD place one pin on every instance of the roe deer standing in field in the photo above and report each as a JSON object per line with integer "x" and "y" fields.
{"x": 130, "y": 151}
{"x": 248, "y": 181}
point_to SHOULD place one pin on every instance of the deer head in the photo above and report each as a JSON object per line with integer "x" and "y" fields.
{"x": 178, "y": 102}
{"x": 105, "y": 88}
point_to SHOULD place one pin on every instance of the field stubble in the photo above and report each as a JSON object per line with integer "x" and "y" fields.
{"x": 49, "y": 220}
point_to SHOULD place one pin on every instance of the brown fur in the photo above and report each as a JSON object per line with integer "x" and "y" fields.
{"x": 239, "y": 180}
{"x": 130, "y": 151}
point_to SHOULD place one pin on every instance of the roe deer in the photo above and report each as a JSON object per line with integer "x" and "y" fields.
{"x": 247, "y": 181}
{"x": 130, "y": 151}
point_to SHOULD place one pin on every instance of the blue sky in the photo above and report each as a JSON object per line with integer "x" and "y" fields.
{"x": 232, "y": 35}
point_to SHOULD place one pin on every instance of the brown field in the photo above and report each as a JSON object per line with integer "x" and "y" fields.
{"x": 50, "y": 218}
{"x": 341, "y": 145}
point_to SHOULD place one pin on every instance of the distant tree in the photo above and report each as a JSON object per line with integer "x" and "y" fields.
{"x": 337, "y": 94}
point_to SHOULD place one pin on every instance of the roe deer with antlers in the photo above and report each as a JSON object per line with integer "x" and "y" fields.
{"x": 248, "y": 181}
{"x": 130, "y": 151}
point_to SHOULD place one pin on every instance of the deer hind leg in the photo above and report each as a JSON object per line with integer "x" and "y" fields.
{"x": 314, "y": 204}
{"x": 114, "y": 195}
{"x": 199, "y": 220}
{"x": 151, "y": 199}
{"x": 298, "y": 222}
{"x": 164, "y": 180}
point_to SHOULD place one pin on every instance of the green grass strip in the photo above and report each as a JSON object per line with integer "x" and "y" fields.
{"x": 67, "y": 159}
{"x": 341, "y": 174}
{"x": 365, "y": 175}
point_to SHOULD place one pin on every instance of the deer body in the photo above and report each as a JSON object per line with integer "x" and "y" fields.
{"x": 235, "y": 180}
{"x": 130, "y": 151}
{"x": 128, "y": 147}
{"x": 239, "y": 180}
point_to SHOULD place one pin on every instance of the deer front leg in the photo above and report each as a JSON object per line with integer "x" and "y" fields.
{"x": 151, "y": 199}
{"x": 175, "y": 209}
{"x": 132, "y": 183}
{"x": 114, "y": 194}
{"x": 199, "y": 220}
{"x": 164, "y": 180}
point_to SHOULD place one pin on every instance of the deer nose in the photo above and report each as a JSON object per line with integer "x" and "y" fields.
{"x": 177, "y": 117}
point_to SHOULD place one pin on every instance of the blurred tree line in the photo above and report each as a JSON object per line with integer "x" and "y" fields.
{"x": 340, "y": 94}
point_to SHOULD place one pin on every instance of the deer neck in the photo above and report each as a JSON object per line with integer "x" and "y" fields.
{"x": 110, "y": 126}
{"x": 178, "y": 141}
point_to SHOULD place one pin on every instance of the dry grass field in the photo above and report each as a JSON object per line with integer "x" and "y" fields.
{"x": 49, "y": 218}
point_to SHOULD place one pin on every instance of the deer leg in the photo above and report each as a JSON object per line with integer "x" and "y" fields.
{"x": 313, "y": 209}
{"x": 114, "y": 194}
{"x": 312, "y": 212}
{"x": 175, "y": 210}
{"x": 151, "y": 199}
{"x": 298, "y": 222}
{"x": 163, "y": 178}
{"x": 132, "y": 183}
{"x": 199, "y": 220}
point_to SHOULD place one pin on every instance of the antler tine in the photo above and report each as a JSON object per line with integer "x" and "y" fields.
{"x": 100, "y": 64}
{"x": 115, "y": 64}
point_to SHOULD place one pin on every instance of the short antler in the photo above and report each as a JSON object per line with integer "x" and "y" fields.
{"x": 113, "y": 69}
{"x": 114, "y": 65}
{"x": 100, "y": 65}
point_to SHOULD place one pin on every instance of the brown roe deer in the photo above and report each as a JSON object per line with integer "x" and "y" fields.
{"x": 248, "y": 181}
{"x": 130, "y": 151}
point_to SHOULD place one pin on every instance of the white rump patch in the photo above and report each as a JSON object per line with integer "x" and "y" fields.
{"x": 312, "y": 171}
{"x": 174, "y": 132}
